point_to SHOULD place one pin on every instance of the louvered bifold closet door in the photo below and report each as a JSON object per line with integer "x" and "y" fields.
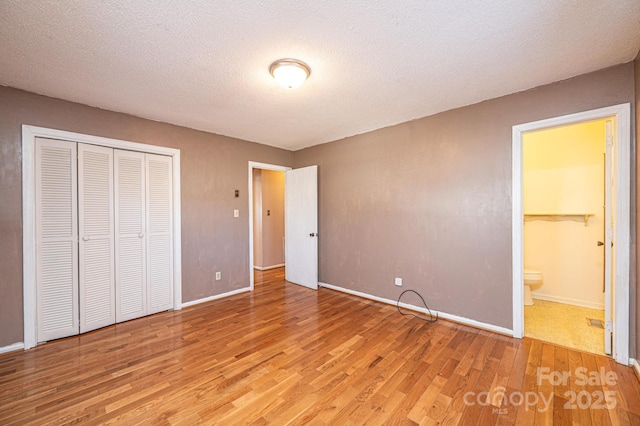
{"x": 96, "y": 227}
{"x": 159, "y": 233}
{"x": 131, "y": 292}
{"x": 56, "y": 239}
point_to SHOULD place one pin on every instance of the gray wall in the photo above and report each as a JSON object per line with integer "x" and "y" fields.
{"x": 430, "y": 200}
{"x": 634, "y": 333}
{"x": 212, "y": 168}
{"x": 427, "y": 200}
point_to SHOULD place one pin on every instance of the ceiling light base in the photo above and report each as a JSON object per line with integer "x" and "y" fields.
{"x": 290, "y": 73}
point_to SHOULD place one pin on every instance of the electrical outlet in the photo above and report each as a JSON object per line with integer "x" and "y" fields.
{"x": 399, "y": 282}
{"x": 218, "y": 276}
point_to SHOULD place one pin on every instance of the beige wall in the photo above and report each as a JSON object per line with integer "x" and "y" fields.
{"x": 430, "y": 200}
{"x": 212, "y": 168}
{"x": 563, "y": 172}
{"x": 272, "y": 218}
{"x": 257, "y": 218}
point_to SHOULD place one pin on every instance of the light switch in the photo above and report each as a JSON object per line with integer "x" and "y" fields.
{"x": 236, "y": 213}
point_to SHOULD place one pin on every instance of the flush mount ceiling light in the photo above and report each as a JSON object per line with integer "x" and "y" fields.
{"x": 289, "y": 73}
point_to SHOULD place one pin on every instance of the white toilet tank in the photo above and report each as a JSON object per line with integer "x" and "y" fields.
{"x": 532, "y": 276}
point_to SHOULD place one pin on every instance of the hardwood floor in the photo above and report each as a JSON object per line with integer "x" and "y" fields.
{"x": 285, "y": 354}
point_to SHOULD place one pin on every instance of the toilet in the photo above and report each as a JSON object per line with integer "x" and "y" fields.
{"x": 531, "y": 276}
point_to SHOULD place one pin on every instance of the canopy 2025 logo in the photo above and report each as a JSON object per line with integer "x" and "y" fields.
{"x": 541, "y": 401}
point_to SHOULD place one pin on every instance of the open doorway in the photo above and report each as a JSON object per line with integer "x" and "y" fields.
{"x": 565, "y": 212}
{"x": 618, "y": 158}
{"x": 300, "y": 223}
{"x": 266, "y": 218}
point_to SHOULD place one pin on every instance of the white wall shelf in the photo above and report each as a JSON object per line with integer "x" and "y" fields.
{"x": 556, "y": 217}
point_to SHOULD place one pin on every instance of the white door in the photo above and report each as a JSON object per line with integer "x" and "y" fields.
{"x": 95, "y": 229}
{"x": 301, "y": 226}
{"x": 130, "y": 259}
{"x": 159, "y": 235}
{"x": 56, "y": 239}
{"x": 609, "y": 214}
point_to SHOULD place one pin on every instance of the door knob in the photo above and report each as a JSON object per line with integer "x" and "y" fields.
{"x": 140, "y": 234}
{"x": 313, "y": 234}
{"x": 600, "y": 243}
{"x": 85, "y": 238}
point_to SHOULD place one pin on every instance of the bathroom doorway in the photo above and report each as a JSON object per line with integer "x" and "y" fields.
{"x": 564, "y": 232}
{"x": 568, "y": 212}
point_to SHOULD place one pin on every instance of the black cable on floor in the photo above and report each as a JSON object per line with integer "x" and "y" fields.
{"x": 431, "y": 317}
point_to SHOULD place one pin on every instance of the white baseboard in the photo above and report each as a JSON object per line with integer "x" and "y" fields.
{"x": 636, "y": 367}
{"x": 444, "y": 315}
{"x": 266, "y": 268}
{"x": 215, "y": 297}
{"x": 568, "y": 301}
{"x": 11, "y": 348}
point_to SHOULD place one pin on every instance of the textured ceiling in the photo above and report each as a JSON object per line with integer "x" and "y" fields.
{"x": 204, "y": 64}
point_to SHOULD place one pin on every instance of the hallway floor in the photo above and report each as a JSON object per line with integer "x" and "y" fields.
{"x": 565, "y": 325}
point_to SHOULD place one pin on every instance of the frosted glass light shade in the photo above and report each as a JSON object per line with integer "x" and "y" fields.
{"x": 289, "y": 73}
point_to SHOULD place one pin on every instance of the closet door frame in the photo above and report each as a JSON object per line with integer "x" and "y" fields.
{"x": 29, "y": 135}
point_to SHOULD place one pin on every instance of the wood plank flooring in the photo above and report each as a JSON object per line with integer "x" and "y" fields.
{"x": 285, "y": 354}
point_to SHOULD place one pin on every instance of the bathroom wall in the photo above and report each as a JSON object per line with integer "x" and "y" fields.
{"x": 564, "y": 173}
{"x": 268, "y": 220}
